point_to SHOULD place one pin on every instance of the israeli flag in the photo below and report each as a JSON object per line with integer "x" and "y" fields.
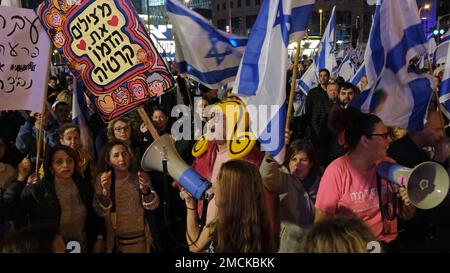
{"x": 326, "y": 57}
{"x": 398, "y": 95}
{"x": 431, "y": 48}
{"x": 204, "y": 53}
{"x": 356, "y": 79}
{"x": 444, "y": 98}
{"x": 347, "y": 69}
{"x": 440, "y": 53}
{"x": 309, "y": 80}
{"x": 261, "y": 80}
{"x": 80, "y": 114}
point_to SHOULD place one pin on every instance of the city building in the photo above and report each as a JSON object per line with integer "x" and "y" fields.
{"x": 353, "y": 19}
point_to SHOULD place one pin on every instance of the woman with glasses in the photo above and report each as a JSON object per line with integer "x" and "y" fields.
{"x": 350, "y": 185}
{"x": 122, "y": 129}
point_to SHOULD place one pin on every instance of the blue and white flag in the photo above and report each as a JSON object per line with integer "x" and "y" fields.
{"x": 356, "y": 79}
{"x": 261, "y": 80}
{"x": 326, "y": 57}
{"x": 80, "y": 113}
{"x": 203, "y": 52}
{"x": 440, "y": 54}
{"x": 347, "y": 68}
{"x": 308, "y": 80}
{"x": 444, "y": 98}
{"x": 429, "y": 56}
{"x": 397, "y": 94}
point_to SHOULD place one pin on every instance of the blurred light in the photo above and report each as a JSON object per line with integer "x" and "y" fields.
{"x": 426, "y": 6}
{"x": 435, "y": 32}
{"x": 320, "y": 10}
{"x": 441, "y": 31}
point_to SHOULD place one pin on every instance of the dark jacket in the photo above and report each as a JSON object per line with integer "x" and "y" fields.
{"x": 42, "y": 205}
{"x": 314, "y": 98}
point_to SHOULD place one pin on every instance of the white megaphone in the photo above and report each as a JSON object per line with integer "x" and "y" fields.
{"x": 163, "y": 148}
{"x": 426, "y": 184}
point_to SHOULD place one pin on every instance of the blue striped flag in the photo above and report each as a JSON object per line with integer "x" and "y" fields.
{"x": 80, "y": 114}
{"x": 444, "y": 97}
{"x": 398, "y": 94}
{"x": 261, "y": 80}
{"x": 326, "y": 57}
{"x": 203, "y": 52}
{"x": 309, "y": 80}
{"x": 347, "y": 68}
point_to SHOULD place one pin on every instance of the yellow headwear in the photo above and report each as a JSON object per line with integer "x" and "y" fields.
{"x": 240, "y": 141}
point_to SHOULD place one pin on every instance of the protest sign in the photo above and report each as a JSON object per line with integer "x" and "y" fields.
{"x": 24, "y": 60}
{"x": 107, "y": 48}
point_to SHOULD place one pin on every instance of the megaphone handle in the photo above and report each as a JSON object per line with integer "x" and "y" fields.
{"x": 165, "y": 192}
{"x": 202, "y": 220}
{"x": 385, "y": 209}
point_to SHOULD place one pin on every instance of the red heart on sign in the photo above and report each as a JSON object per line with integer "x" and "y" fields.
{"x": 81, "y": 45}
{"x": 113, "y": 21}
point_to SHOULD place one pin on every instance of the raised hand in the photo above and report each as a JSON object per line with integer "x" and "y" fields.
{"x": 24, "y": 169}
{"x": 106, "y": 181}
{"x": 144, "y": 182}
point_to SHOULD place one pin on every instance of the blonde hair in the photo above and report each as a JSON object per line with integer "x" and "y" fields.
{"x": 110, "y": 132}
{"x": 337, "y": 235}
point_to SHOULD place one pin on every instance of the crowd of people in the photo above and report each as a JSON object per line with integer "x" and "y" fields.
{"x": 326, "y": 197}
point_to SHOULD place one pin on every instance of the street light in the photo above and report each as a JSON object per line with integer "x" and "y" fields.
{"x": 320, "y": 19}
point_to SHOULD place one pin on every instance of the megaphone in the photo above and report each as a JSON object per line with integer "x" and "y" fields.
{"x": 426, "y": 184}
{"x": 162, "y": 149}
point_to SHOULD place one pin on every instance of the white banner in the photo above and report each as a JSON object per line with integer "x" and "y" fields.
{"x": 24, "y": 60}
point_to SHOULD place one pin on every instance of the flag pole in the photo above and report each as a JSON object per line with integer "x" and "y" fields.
{"x": 41, "y": 128}
{"x": 436, "y": 95}
{"x": 148, "y": 123}
{"x": 293, "y": 83}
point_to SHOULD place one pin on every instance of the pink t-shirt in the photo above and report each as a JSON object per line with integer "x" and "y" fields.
{"x": 343, "y": 190}
{"x": 222, "y": 157}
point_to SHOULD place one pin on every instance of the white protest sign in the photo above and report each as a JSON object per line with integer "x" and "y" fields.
{"x": 24, "y": 60}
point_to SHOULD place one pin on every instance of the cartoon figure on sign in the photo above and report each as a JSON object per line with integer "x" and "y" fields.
{"x": 156, "y": 84}
{"x": 141, "y": 55}
{"x": 121, "y": 96}
{"x": 64, "y": 5}
{"x": 137, "y": 88}
{"x": 59, "y": 39}
{"x": 55, "y": 18}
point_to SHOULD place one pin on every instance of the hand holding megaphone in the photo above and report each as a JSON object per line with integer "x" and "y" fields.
{"x": 163, "y": 150}
{"x": 426, "y": 185}
{"x": 191, "y": 203}
{"x": 403, "y": 195}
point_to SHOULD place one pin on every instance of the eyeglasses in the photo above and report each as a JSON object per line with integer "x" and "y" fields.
{"x": 125, "y": 129}
{"x": 383, "y": 135}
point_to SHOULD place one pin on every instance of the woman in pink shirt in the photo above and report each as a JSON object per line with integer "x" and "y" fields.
{"x": 349, "y": 184}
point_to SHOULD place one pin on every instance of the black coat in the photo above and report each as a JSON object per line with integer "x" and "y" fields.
{"x": 40, "y": 202}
